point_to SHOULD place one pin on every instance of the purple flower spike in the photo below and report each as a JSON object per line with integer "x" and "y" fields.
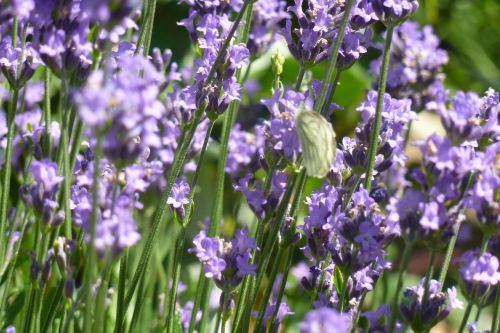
{"x": 325, "y": 320}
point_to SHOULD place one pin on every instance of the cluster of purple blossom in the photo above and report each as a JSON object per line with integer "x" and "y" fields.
{"x": 131, "y": 124}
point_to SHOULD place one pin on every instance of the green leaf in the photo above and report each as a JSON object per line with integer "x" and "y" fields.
{"x": 14, "y": 306}
{"x": 338, "y": 279}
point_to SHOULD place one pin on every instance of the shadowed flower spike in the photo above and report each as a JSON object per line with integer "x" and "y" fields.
{"x": 423, "y": 314}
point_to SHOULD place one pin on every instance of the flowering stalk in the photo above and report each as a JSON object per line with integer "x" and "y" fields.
{"x": 372, "y": 152}
{"x": 179, "y": 248}
{"x": 332, "y": 62}
{"x": 228, "y": 122}
{"x": 177, "y": 165}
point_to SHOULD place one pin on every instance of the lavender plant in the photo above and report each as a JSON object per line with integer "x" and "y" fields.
{"x": 145, "y": 192}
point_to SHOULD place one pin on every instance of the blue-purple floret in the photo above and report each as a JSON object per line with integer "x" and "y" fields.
{"x": 227, "y": 263}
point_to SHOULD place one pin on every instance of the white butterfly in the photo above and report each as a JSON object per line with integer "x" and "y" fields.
{"x": 317, "y": 139}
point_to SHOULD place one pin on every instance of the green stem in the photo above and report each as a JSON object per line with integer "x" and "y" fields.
{"x": 271, "y": 241}
{"x": 300, "y": 77}
{"x": 465, "y": 317}
{"x": 47, "y": 114}
{"x": 281, "y": 291}
{"x": 399, "y": 285}
{"x": 496, "y": 312}
{"x": 66, "y": 191}
{"x": 429, "y": 273}
{"x": 75, "y": 146}
{"x": 449, "y": 254}
{"x": 331, "y": 93}
{"x": 332, "y": 62}
{"x": 51, "y": 313}
{"x": 91, "y": 251}
{"x": 372, "y": 152}
{"x": 267, "y": 293}
{"x": 120, "y": 313}
{"x": 100, "y": 310}
{"x": 7, "y": 170}
{"x": 358, "y": 311}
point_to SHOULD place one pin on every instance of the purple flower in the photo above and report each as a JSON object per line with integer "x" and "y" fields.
{"x": 470, "y": 117}
{"x": 125, "y": 105}
{"x": 479, "y": 273}
{"x": 379, "y": 320}
{"x": 115, "y": 226}
{"x": 179, "y": 196}
{"x": 41, "y": 194}
{"x": 394, "y": 11}
{"x": 12, "y": 59}
{"x": 325, "y": 320}
{"x": 415, "y": 65}
{"x": 423, "y": 314}
{"x": 267, "y": 16}
{"x": 310, "y": 42}
{"x": 244, "y": 150}
{"x": 226, "y": 262}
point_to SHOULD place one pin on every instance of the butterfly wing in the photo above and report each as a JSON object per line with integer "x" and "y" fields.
{"x": 317, "y": 139}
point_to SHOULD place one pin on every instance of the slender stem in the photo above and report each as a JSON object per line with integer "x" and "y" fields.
{"x": 332, "y": 62}
{"x": 66, "y": 191}
{"x": 7, "y": 169}
{"x": 496, "y": 312}
{"x": 429, "y": 273}
{"x": 161, "y": 211}
{"x": 51, "y": 313}
{"x": 465, "y": 318}
{"x": 449, "y": 254}
{"x": 91, "y": 251}
{"x": 120, "y": 313}
{"x": 399, "y": 285}
{"x": 358, "y": 311}
{"x": 47, "y": 114}
{"x": 281, "y": 291}
{"x": 267, "y": 293}
{"x": 331, "y": 93}
{"x": 372, "y": 152}
{"x": 272, "y": 241}
{"x": 300, "y": 77}
{"x": 352, "y": 190}
{"x": 75, "y": 146}
{"x": 100, "y": 310}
